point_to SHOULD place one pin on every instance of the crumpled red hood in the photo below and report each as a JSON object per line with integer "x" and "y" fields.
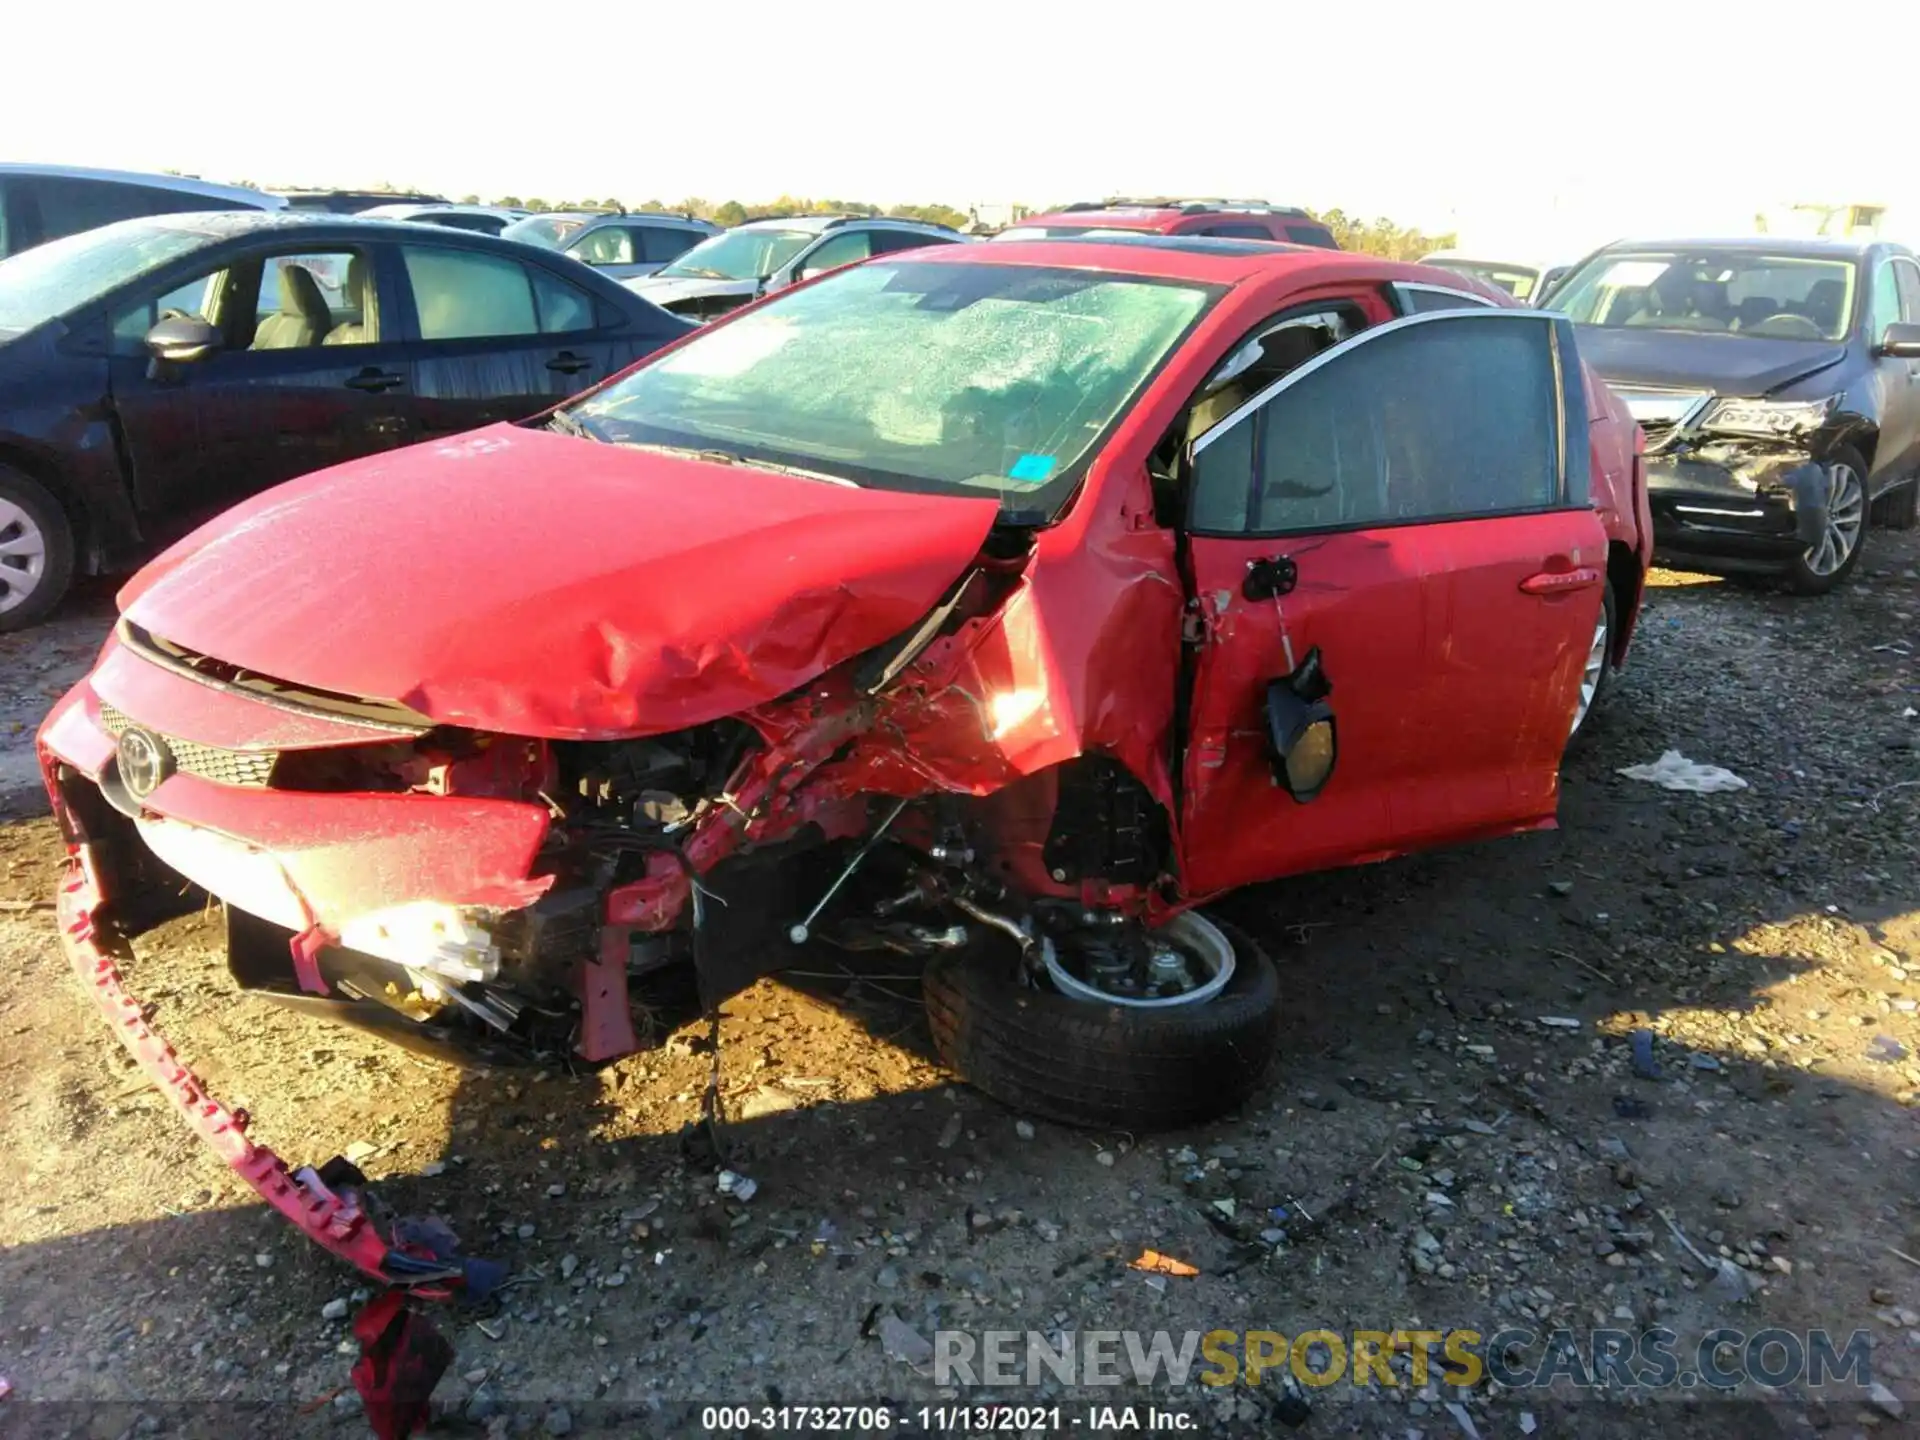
{"x": 527, "y": 582}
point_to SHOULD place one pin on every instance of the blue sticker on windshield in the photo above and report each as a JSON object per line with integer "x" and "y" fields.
{"x": 1031, "y": 468}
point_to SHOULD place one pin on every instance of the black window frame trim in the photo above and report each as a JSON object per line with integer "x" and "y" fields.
{"x": 1483, "y": 309}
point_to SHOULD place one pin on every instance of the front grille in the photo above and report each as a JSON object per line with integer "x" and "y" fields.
{"x": 209, "y": 762}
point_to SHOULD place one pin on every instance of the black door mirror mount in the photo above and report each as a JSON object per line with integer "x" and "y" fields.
{"x": 182, "y": 340}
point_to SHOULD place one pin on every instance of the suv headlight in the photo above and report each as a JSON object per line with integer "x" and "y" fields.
{"x": 1782, "y": 419}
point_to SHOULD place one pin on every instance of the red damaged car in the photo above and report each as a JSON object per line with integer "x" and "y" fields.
{"x": 996, "y": 605}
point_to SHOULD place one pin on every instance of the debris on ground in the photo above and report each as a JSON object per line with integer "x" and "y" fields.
{"x": 1673, "y": 771}
{"x": 402, "y": 1358}
{"x": 902, "y": 1342}
{"x": 1158, "y": 1264}
{"x": 1644, "y": 1065}
{"x": 1887, "y": 1050}
{"x": 741, "y": 1187}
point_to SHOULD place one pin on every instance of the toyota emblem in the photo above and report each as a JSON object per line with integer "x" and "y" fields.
{"x": 144, "y": 762}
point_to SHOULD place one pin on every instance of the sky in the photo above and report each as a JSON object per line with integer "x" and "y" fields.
{"x": 1534, "y": 128}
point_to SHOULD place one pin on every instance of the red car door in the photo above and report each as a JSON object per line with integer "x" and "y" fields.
{"x": 1405, "y": 513}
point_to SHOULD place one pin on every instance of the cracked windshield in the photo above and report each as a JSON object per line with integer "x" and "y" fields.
{"x": 946, "y": 378}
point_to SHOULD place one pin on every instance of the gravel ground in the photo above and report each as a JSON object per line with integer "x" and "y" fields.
{"x": 1454, "y": 1112}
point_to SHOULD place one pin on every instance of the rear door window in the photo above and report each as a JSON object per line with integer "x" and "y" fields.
{"x": 465, "y": 295}
{"x": 658, "y": 244}
{"x": 1239, "y": 231}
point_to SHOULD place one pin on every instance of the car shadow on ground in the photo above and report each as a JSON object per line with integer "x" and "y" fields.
{"x": 936, "y": 1186}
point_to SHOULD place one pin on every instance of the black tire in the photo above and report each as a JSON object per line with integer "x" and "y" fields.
{"x": 1106, "y": 1066}
{"x": 1584, "y": 725}
{"x": 1802, "y": 579}
{"x": 1899, "y": 509}
{"x": 42, "y": 513}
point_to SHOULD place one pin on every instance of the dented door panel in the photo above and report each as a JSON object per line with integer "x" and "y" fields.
{"x": 1453, "y": 689}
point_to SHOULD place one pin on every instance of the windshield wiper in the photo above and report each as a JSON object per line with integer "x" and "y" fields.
{"x": 564, "y": 423}
{"x": 727, "y": 457}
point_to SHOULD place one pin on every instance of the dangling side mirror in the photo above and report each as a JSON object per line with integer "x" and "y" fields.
{"x": 1301, "y": 732}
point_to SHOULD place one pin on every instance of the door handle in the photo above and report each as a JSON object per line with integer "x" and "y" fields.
{"x": 1561, "y": 582}
{"x": 568, "y": 363}
{"x": 373, "y": 380}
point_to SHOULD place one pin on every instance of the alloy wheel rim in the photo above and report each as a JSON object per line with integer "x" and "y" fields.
{"x": 1591, "y": 673}
{"x": 23, "y": 555}
{"x": 1200, "y": 941}
{"x": 1846, "y": 515}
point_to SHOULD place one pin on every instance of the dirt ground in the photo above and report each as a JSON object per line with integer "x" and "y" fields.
{"x": 1448, "y": 1158}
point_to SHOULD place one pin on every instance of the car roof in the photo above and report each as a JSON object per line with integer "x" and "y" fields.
{"x": 240, "y": 195}
{"x": 448, "y": 207}
{"x": 646, "y": 217}
{"x": 1494, "y": 257}
{"x": 323, "y": 226}
{"x": 1202, "y": 259}
{"x": 1809, "y": 246}
{"x": 819, "y": 224}
{"x": 1150, "y": 214}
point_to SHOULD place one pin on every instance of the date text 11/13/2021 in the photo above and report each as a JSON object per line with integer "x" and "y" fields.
{"x": 945, "y": 1419}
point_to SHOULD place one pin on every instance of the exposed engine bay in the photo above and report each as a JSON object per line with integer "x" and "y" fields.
{"x": 837, "y": 815}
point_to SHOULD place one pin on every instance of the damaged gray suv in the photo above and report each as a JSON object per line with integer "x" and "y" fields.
{"x": 1778, "y": 383}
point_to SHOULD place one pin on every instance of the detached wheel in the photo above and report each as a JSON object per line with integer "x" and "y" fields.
{"x": 36, "y": 551}
{"x": 1899, "y": 509}
{"x": 1124, "y": 1066}
{"x": 1596, "y": 672}
{"x": 1830, "y": 559}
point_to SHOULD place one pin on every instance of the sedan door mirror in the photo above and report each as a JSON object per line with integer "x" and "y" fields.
{"x": 182, "y": 339}
{"x": 1902, "y": 341}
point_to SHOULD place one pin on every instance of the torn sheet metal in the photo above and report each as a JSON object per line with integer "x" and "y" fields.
{"x": 519, "y": 581}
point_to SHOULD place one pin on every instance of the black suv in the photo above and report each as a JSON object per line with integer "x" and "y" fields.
{"x": 1778, "y": 383}
{"x": 154, "y": 371}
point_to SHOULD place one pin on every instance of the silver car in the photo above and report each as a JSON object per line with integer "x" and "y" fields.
{"x": 625, "y": 247}
{"x": 44, "y": 202}
{"x": 761, "y": 256}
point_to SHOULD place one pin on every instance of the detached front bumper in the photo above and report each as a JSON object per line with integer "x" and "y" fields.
{"x": 1747, "y": 516}
{"x": 94, "y": 948}
{"x": 308, "y": 859}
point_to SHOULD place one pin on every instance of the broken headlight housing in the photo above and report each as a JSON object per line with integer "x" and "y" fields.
{"x": 1769, "y": 419}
